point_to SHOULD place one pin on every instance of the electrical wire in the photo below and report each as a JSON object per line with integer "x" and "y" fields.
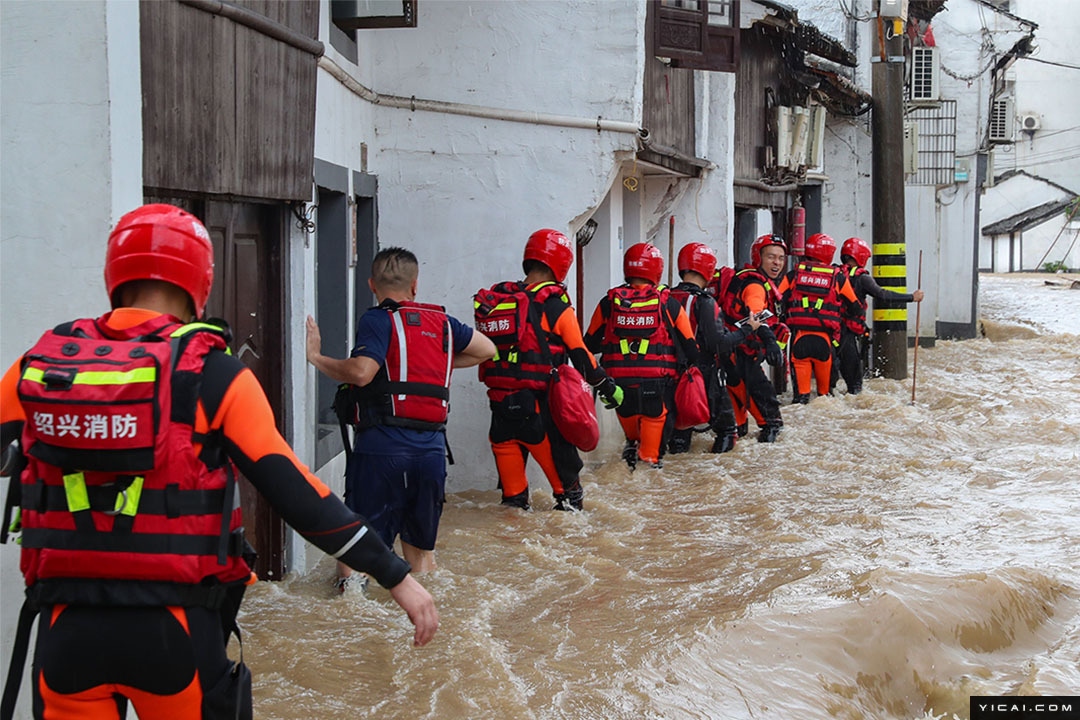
{"x": 1049, "y": 62}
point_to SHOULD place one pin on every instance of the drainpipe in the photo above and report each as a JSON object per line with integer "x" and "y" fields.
{"x": 524, "y": 116}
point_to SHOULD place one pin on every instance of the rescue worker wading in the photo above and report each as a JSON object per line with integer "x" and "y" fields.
{"x": 635, "y": 328}
{"x": 854, "y": 333}
{"x": 752, "y": 291}
{"x": 510, "y": 313}
{"x": 398, "y": 384}
{"x": 697, "y": 266}
{"x": 812, "y": 298}
{"x": 134, "y": 426}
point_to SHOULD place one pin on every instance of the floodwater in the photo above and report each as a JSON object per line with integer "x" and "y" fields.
{"x": 884, "y": 560}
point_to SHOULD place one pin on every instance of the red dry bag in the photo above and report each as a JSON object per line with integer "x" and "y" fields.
{"x": 573, "y": 408}
{"x": 691, "y": 400}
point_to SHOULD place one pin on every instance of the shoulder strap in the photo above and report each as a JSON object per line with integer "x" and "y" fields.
{"x": 19, "y": 650}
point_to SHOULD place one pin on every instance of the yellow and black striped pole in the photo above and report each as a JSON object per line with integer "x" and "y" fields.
{"x": 890, "y": 318}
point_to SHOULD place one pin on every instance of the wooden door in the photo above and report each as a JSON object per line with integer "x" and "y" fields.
{"x": 248, "y": 294}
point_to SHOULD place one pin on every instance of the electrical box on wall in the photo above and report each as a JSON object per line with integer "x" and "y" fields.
{"x": 893, "y": 9}
{"x": 911, "y": 147}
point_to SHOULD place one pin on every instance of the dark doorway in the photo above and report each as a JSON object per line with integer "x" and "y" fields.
{"x": 248, "y": 293}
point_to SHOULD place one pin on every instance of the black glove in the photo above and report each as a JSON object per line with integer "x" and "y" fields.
{"x": 610, "y": 393}
{"x": 773, "y": 355}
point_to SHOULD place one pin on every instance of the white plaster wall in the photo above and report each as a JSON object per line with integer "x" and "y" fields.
{"x": 1044, "y": 89}
{"x": 847, "y": 201}
{"x": 922, "y": 222}
{"x": 1051, "y": 241}
{"x": 70, "y": 135}
{"x": 465, "y": 192}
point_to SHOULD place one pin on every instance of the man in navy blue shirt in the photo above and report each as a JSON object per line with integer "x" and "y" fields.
{"x": 400, "y": 367}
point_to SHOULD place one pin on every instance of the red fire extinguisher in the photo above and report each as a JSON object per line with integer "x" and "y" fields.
{"x": 798, "y": 230}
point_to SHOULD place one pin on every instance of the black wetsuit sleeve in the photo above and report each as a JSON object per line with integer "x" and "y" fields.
{"x": 867, "y": 285}
{"x": 728, "y": 341}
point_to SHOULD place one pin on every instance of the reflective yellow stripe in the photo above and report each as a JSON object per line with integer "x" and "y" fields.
{"x": 100, "y": 377}
{"x": 827, "y": 270}
{"x": 645, "y": 303}
{"x": 75, "y": 492}
{"x": 886, "y": 315}
{"x": 191, "y": 327}
{"x": 819, "y": 303}
{"x": 506, "y": 306}
{"x": 127, "y": 502}
{"x": 642, "y": 348}
{"x": 890, "y": 249}
{"x": 806, "y": 303}
{"x": 512, "y": 356}
{"x": 890, "y": 271}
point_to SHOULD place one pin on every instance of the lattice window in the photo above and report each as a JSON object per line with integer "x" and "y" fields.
{"x": 937, "y": 143}
{"x": 1001, "y": 120}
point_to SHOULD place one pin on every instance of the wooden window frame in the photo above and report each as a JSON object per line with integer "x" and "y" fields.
{"x": 685, "y": 37}
{"x": 347, "y": 23}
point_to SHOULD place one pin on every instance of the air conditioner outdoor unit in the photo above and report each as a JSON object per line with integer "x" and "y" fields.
{"x": 925, "y": 75}
{"x": 1030, "y": 121}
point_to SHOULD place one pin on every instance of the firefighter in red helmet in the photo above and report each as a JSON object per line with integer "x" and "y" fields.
{"x": 133, "y": 429}
{"x": 854, "y": 333}
{"x": 642, "y": 335}
{"x": 697, "y": 267}
{"x": 813, "y": 298}
{"x": 753, "y": 292}
{"x": 518, "y": 316}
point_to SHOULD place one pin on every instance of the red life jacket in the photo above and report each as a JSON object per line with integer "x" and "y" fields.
{"x": 719, "y": 282}
{"x": 687, "y": 297}
{"x": 814, "y": 303}
{"x": 412, "y": 388}
{"x": 637, "y": 341}
{"x": 508, "y": 313}
{"x": 117, "y": 509}
{"x": 855, "y": 313}
{"x": 734, "y": 309}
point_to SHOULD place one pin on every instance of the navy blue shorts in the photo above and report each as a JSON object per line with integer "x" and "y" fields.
{"x": 399, "y": 495}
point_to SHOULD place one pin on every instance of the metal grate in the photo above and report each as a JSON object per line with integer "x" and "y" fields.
{"x": 1001, "y": 120}
{"x": 937, "y": 143}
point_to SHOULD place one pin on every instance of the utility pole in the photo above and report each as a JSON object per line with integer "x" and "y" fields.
{"x": 890, "y": 253}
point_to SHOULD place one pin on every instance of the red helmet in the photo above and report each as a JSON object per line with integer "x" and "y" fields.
{"x": 161, "y": 242}
{"x": 553, "y": 249}
{"x": 857, "y": 249}
{"x": 697, "y": 257}
{"x": 821, "y": 248}
{"x": 763, "y": 242}
{"x": 643, "y": 260}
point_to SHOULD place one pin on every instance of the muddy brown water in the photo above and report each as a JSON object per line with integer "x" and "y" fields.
{"x": 883, "y": 560}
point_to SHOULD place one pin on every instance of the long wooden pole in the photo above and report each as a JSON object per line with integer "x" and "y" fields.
{"x": 918, "y": 313}
{"x": 671, "y": 251}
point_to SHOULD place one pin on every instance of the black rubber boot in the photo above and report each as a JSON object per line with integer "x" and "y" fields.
{"x": 680, "y": 442}
{"x": 570, "y": 500}
{"x": 521, "y": 500}
{"x": 724, "y": 442}
{"x": 768, "y": 434}
{"x": 800, "y": 399}
{"x": 629, "y": 454}
{"x": 743, "y": 429}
